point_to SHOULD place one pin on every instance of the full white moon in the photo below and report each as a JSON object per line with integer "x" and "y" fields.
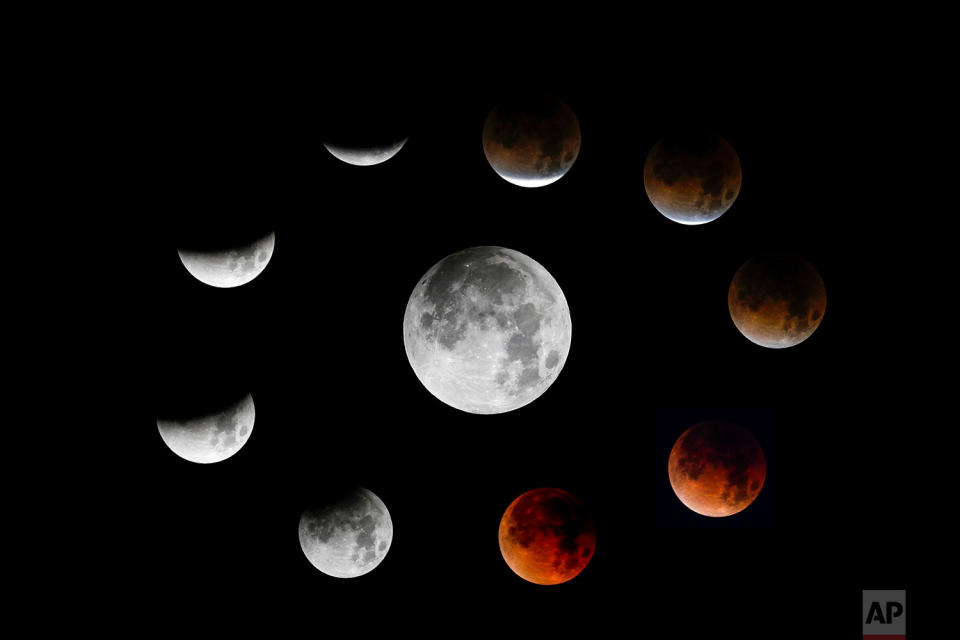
{"x": 349, "y": 537}
{"x": 487, "y": 330}
{"x": 210, "y": 438}
{"x": 365, "y": 157}
{"x": 231, "y": 268}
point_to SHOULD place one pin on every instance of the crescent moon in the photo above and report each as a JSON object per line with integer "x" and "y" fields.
{"x": 211, "y": 438}
{"x": 365, "y": 157}
{"x": 230, "y": 268}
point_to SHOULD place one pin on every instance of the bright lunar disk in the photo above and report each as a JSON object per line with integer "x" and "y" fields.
{"x": 487, "y": 330}
{"x": 349, "y": 537}
{"x": 365, "y": 157}
{"x": 230, "y": 268}
{"x": 211, "y": 438}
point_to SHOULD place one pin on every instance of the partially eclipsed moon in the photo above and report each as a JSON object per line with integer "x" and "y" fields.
{"x": 211, "y": 438}
{"x": 692, "y": 179}
{"x": 777, "y": 301}
{"x": 230, "y": 268}
{"x": 717, "y": 468}
{"x": 531, "y": 141}
{"x": 348, "y": 537}
{"x": 365, "y": 157}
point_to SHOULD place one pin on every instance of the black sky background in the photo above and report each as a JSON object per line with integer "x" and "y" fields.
{"x": 317, "y": 340}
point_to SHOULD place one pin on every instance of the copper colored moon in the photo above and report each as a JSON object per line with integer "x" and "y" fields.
{"x": 693, "y": 178}
{"x": 777, "y": 301}
{"x": 547, "y": 536}
{"x": 717, "y": 468}
{"x": 531, "y": 141}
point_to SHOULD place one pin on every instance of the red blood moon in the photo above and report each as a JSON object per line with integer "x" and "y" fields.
{"x": 547, "y": 536}
{"x": 717, "y": 468}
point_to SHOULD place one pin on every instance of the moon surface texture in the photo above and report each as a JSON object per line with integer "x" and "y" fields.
{"x": 212, "y": 438}
{"x": 717, "y": 468}
{"x": 231, "y": 267}
{"x": 777, "y": 301}
{"x": 531, "y": 141}
{"x": 348, "y": 537}
{"x": 365, "y": 157}
{"x": 692, "y": 179}
{"x": 547, "y": 536}
{"x": 487, "y": 330}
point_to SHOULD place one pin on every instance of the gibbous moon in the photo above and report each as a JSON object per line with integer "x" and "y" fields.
{"x": 487, "y": 330}
{"x": 717, "y": 468}
{"x": 693, "y": 178}
{"x": 348, "y": 537}
{"x": 365, "y": 157}
{"x": 777, "y": 301}
{"x": 230, "y": 268}
{"x": 531, "y": 141}
{"x": 211, "y": 438}
{"x": 547, "y": 536}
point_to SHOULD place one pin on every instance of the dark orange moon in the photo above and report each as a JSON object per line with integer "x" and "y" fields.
{"x": 717, "y": 468}
{"x": 777, "y": 301}
{"x": 547, "y": 536}
{"x": 692, "y": 178}
{"x": 531, "y": 141}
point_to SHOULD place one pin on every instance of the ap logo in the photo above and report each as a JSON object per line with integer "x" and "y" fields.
{"x": 884, "y": 615}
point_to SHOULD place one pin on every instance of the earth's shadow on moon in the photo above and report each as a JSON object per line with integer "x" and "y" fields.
{"x": 763, "y": 423}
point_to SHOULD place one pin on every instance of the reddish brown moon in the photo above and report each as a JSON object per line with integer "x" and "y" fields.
{"x": 717, "y": 468}
{"x": 531, "y": 140}
{"x": 547, "y": 536}
{"x": 692, "y": 178}
{"x": 777, "y": 301}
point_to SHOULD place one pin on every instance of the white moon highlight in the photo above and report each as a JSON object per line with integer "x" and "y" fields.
{"x": 349, "y": 537}
{"x": 211, "y": 438}
{"x": 487, "y": 330}
{"x": 231, "y": 268}
{"x": 365, "y": 157}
